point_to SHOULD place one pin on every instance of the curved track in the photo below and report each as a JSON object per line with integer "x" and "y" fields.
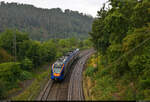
{"x": 75, "y": 91}
{"x": 71, "y": 87}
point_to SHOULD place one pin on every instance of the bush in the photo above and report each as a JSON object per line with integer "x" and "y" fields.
{"x": 119, "y": 69}
{"x": 2, "y": 90}
{"x": 59, "y": 54}
{"x": 105, "y": 71}
{"x": 145, "y": 83}
{"x": 4, "y": 56}
{"x": 34, "y": 89}
{"x": 10, "y": 74}
{"x": 26, "y": 64}
{"x": 104, "y": 88}
{"x": 10, "y": 71}
{"x": 25, "y": 75}
{"x": 90, "y": 71}
{"x": 147, "y": 94}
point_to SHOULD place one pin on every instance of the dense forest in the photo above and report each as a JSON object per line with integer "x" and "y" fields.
{"x": 43, "y": 24}
{"x": 121, "y": 35}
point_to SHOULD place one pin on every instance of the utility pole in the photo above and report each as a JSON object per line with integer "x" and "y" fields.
{"x": 54, "y": 27}
{"x": 14, "y": 43}
{"x": 97, "y": 53}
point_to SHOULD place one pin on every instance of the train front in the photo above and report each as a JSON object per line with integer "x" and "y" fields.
{"x": 56, "y": 71}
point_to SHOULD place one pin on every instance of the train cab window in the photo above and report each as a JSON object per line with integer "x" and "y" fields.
{"x": 57, "y": 67}
{"x": 58, "y": 64}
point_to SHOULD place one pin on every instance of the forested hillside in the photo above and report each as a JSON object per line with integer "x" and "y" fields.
{"x": 43, "y": 24}
{"x": 121, "y": 35}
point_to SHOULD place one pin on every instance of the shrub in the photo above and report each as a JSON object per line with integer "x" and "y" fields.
{"x": 34, "y": 89}
{"x": 140, "y": 64}
{"x": 105, "y": 71}
{"x": 145, "y": 83}
{"x": 90, "y": 71}
{"x": 25, "y": 75}
{"x": 26, "y": 64}
{"x": 119, "y": 69}
{"x": 147, "y": 94}
{"x": 10, "y": 74}
{"x": 4, "y": 56}
{"x": 10, "y": 71}
{"x": 59, "y": 54}
{"x": 2, "y": 90}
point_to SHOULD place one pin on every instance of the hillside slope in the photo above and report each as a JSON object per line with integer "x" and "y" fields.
{"x": 43, "y": 24}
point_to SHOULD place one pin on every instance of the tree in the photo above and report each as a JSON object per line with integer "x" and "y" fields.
{"x": 141, "y": 14}
{"x": 7, "y": 40}
{"x": 43, "y": 24}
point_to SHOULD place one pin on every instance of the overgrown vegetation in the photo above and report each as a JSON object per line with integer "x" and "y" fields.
{"x": 34, "y": 89}
{"x": 121, "y": 35}
{"x": 21, "y": 57}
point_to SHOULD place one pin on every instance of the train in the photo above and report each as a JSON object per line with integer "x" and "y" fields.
{"x": 62, "y": 66}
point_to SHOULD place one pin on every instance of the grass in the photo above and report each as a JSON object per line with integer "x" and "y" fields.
{"x": 34, "y": 89}
{"x": 87, "y": 81}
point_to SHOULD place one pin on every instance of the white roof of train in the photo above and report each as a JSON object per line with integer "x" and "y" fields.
{"x": 64, "y": 58}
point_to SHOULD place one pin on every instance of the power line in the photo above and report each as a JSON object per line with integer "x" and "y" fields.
{"x": 128, "y": 52}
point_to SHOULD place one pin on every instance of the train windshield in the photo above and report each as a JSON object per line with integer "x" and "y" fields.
{"x": 58, "y": 64}
{"x": 57, "y": 70}
{"x": 57, "y": 67}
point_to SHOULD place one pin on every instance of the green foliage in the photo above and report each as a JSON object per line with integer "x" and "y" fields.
{"x": 50, "y": 50}
{"x": 34, "y": 52}
{"x": 87, "y": 43}
{"x": 27, "y": 64}
{"x": 107, "y": 87}
{"x": 44, "y": 24}
{"x": 7, "y": 39}
{"x": 90, "y": 71}
{"x": 129, "y": 94}
{"x": 135, "y": 38}
{"x": 73, "y": 41}
{"x": 63, "y": 43}
{"x": 25, "y": 75}
{"x": 2, "y": 90}
{"x": 10, "y": 74}
{"x": 145, "y": 84}
{"x": 10, "y": 71}
{"x": 59, "y": 54}
{"x": 139, "y": 63}
{"x": 4, "y": 56}
{"x": 141, "y": 14}
{"x": 34, "y": 89}
{"x": 29, "y": 55}
{"x": 104, "y": 71}
{"x": 114, "y": 52}
{"x": 116, "y": 24}
{"x": 121, "y": 35}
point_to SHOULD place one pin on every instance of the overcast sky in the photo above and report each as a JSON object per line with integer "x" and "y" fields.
{"x": 85, "y": 6}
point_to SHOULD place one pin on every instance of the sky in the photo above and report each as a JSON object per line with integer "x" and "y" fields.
{"x": 83, "y": 6}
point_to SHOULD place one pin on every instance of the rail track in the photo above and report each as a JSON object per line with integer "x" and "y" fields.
{"x": 71, "y": 87}
{"x": 75, "y": 91}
